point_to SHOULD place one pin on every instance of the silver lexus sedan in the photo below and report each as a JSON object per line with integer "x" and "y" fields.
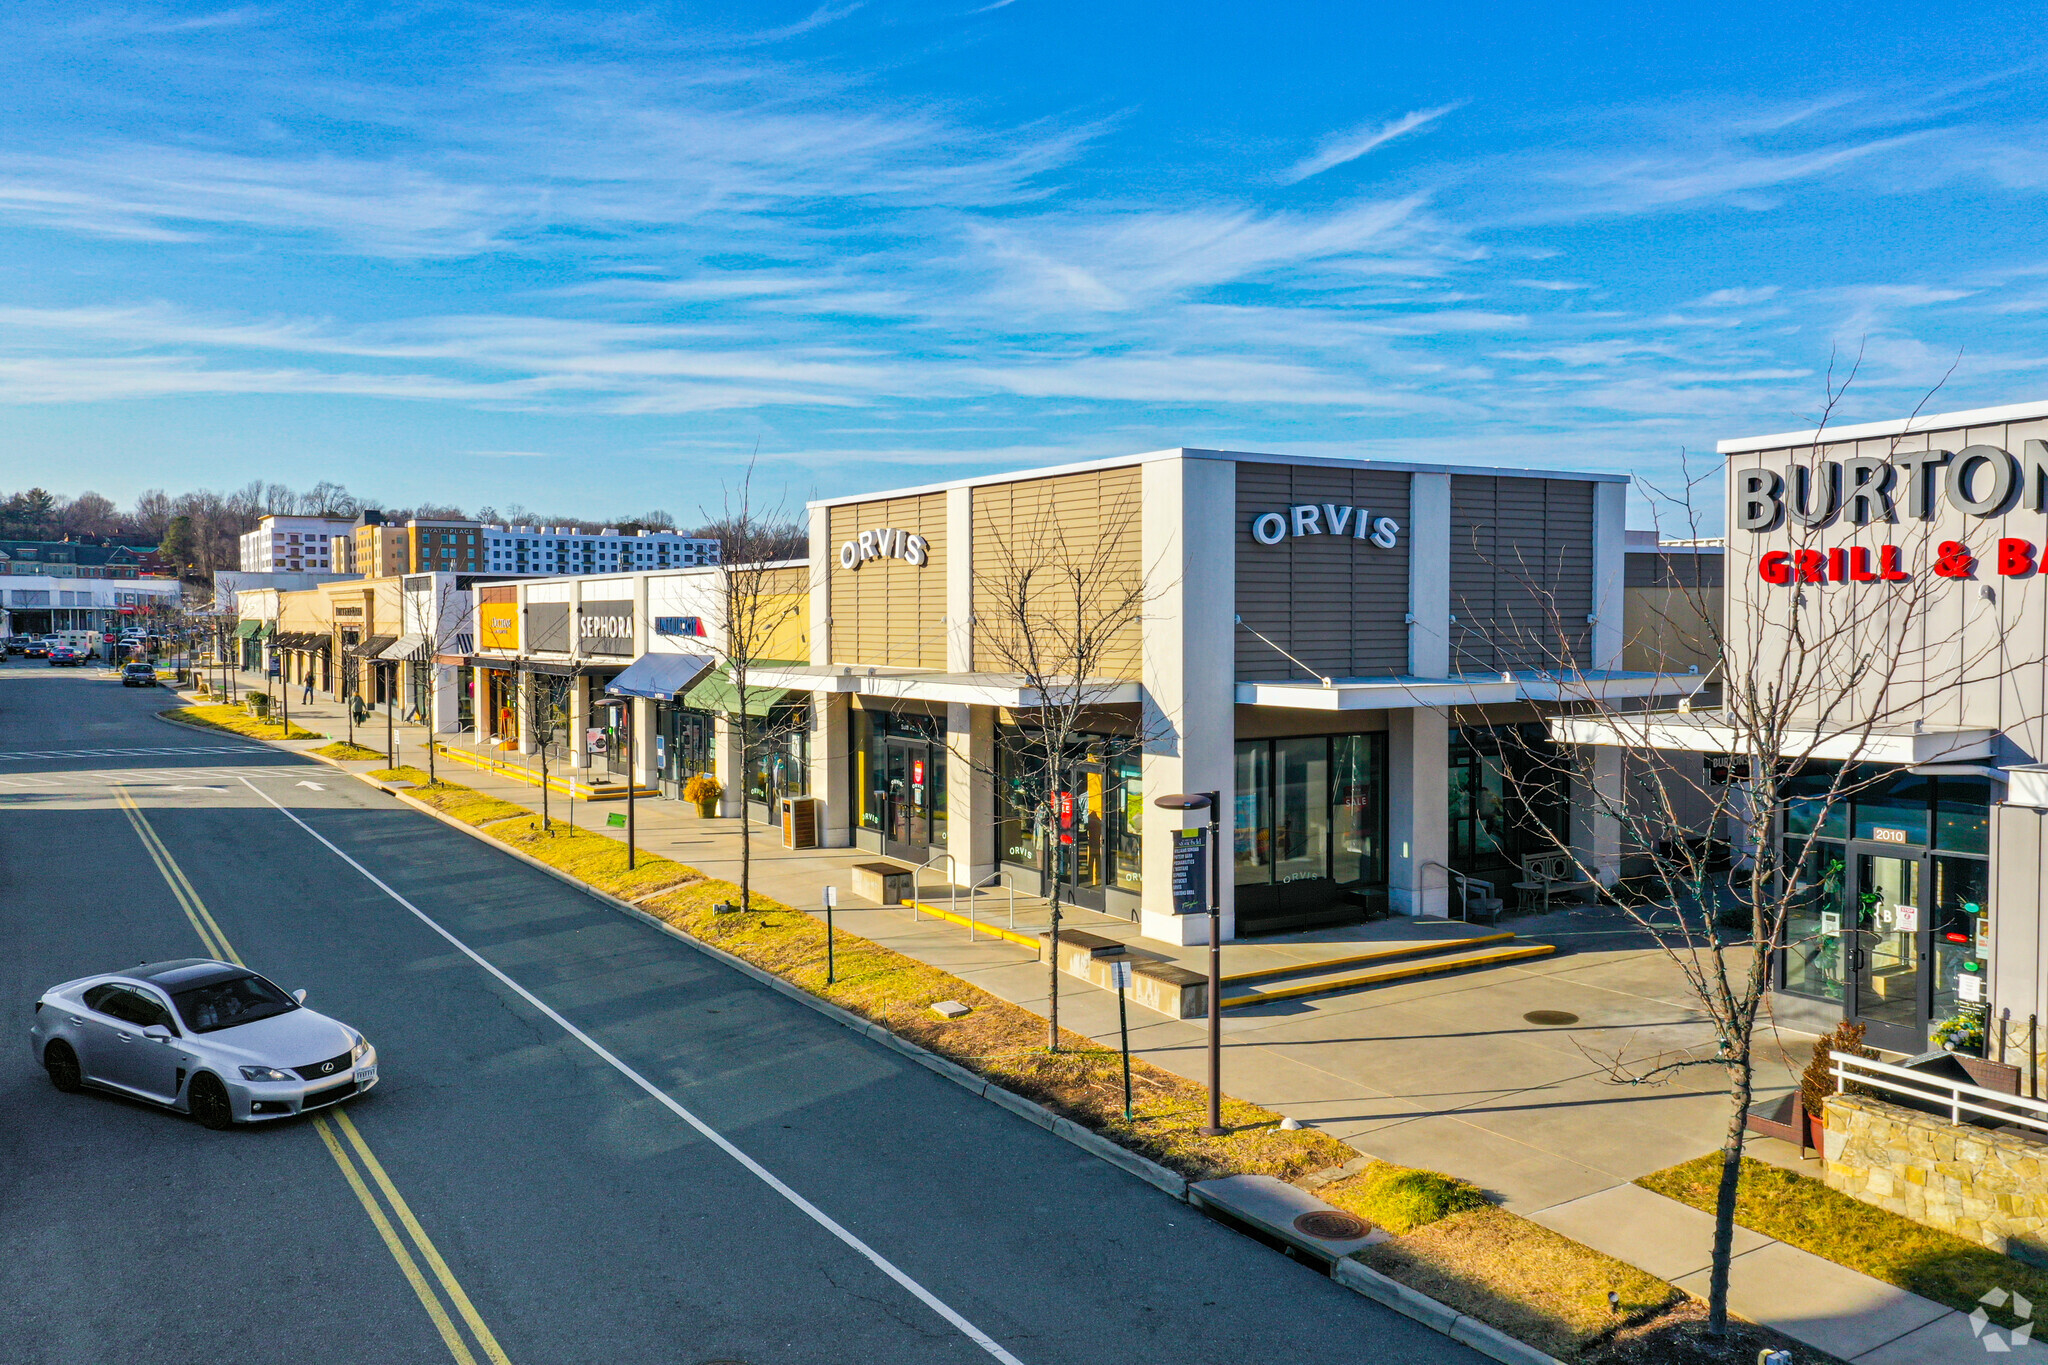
{"x": 208, "y": 1038}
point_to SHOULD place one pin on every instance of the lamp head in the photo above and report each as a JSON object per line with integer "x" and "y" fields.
{"x": 1182, "y": 801}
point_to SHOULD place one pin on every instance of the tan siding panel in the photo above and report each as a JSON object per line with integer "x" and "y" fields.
{"x": 890, "y": 612}
{"x": 1076, "y": 524}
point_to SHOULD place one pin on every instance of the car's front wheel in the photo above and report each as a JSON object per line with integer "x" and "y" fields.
{"x": 62, "y": 1064}
{"x": 208, "y": 1102}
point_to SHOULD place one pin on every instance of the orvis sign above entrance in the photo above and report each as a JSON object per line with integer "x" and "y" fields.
{"x": 1325, "y": 519}
{"x": 1980, "y": 480}
{"x": 884, "y": 542}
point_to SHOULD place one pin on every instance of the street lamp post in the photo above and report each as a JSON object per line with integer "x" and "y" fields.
{"x": 1213, "y": 803}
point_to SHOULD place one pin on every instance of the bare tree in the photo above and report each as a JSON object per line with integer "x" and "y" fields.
{"x": 1720, "y": 810}
{"x": 759, "y": 597}
{"x": 543, "y": 710}
{"x": 1060, "y": 610}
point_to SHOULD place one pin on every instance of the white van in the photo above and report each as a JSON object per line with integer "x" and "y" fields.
{"x": 86, "y": 642}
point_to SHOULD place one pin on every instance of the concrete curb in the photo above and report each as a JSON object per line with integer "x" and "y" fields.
{"x": 1360, "y": 1279}
{"x": 1488, "y": 1341}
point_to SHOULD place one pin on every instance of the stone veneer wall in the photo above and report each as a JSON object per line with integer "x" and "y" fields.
{"x": 1989, "y": 1187}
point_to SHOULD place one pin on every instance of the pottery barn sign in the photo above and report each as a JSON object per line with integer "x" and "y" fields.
{"x": 1325, "y": 519}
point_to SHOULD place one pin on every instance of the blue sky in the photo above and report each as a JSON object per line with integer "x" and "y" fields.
{"x": 592, "y": 258}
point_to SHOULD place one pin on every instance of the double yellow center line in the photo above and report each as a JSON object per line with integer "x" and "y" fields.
{"x": 356, "y": 1151}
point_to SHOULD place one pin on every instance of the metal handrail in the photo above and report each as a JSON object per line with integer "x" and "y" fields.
{"x": 952, "y": 879}
{"x": 1889, "y": 1079}
{"x": 1454, "y": 877}
{"x": 1000, "y": 876}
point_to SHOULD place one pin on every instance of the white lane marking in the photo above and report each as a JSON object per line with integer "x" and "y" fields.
{"x": 25, "y": 754}
{"x": 314, "y": 785}
{"x": 760, "y": 1172}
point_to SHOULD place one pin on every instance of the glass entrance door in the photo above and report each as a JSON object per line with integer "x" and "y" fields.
{"x": 905, "y": 790}
{"x": 1081, "y": 826}
{"x": 1887, "y": 949}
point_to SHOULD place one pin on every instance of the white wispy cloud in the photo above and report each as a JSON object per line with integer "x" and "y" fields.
{"x": 1339, "y": 148}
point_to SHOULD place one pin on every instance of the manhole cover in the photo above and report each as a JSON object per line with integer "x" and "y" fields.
{"x": 1332, "y": 1226}
{"x": 1551, "y": 1017}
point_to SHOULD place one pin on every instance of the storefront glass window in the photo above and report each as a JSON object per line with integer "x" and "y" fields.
{"x": 1962, "y": 909}
{"x": 1805, "y": 798}
{"x": 1301, "y": 809}
{"x": 1127, "y": 824}
{"x": 1892, "y": 807}
{"x": 1506, "y": 799}
{"x": 899, "y": 777}
{"x": 1252, "y": 845}
{"x": 1962, "y": 814}
{"x": 778, "y": 754}
{"x": 1358, "y": 784}
{"x": 1813, "y": 924}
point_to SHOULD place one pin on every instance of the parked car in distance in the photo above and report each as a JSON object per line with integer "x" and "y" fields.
{"x": 16, "y": 644}
{"x": 138, "y": 675}
{"x": 64, "y": 656}
{"x": 201, "y": 1037}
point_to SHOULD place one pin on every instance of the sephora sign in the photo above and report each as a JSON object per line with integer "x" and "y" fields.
{"x": 1979, "y": 481}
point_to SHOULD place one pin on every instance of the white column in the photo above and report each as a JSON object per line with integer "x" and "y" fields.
{"x": 640, "y": 715}
{"x": 579, "y": 722}
{"x": 444, "y": 697}
{"x": 959, "y": 580}
{"x": 1418, "y": 811}
{"x": 1610, "y": 574}
{"x": 728, "y": 768}
{"x": 823, "y": 559}
{"x": 971, "y": 789}
{"x": 831, "y": 757}
{"x": 1596, "y": 817}
{"x": 523, "y": 683}
{"x": 1188, "y": 709}
{"x": 480, "y": 703}
{"x": 1429, "y": 575}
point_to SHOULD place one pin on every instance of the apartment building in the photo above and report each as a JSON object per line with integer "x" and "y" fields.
{"x": 552, "y": 550}
{"x": 282, "y": 544}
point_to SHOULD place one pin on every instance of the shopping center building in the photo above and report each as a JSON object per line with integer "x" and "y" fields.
{"x": 1355, "y": 654}
{"x": 1926, "y": 899}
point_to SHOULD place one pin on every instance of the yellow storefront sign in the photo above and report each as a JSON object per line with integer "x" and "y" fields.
{"x": 497, "y": 625}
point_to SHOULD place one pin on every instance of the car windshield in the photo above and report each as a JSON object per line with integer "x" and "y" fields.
{"x": 226, "y": 1004}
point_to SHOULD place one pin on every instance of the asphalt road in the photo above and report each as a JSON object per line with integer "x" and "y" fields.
{"x": 563, "y": 1212}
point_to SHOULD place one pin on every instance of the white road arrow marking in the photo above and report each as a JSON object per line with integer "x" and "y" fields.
{"x": 198, "y": 789}
{"x": 314, "y": 785}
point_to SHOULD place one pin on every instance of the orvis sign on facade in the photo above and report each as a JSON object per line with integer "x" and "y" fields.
{"x": 605, "y": 628}
{"x": 884, "y": 542}
{"x": 1870, "y": 491}
{"x": 1325, "y": 519}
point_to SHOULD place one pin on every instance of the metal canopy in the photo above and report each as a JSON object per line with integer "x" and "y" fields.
{"x": 978, "y": 689}
{"x": 373, "y": 647}
{"x": 407, "y": 647}
{"x": 660, "y": 677}
{"x": 1471, "y": 689}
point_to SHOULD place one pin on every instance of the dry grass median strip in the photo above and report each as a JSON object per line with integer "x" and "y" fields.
{"x": 345, "y": 752}
{"x": 236, "y": 721}
{"x": 1004, "y": 1042}
{"x": 466, "y": 804}
{"x": 1533, "y": 1284}
{"x": 1803, "y": 1212}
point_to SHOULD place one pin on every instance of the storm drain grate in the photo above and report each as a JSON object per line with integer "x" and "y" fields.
{"x": 1332, "y": 1225}
{"x": 1551, "y": 1017}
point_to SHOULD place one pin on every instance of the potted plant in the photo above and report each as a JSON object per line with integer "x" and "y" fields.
{"x": 703, "y": 791}
{"x": 1818, "y": 1081}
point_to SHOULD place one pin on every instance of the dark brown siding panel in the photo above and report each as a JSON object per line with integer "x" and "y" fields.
{"x": 1337, "y": 603}
{"x": 1521, "y": 572}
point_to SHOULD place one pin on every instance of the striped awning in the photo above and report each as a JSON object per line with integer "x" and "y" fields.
{"x": 405, "y": 648}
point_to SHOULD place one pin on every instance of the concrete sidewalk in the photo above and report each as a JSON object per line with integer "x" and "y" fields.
{"x": 1446, "y": 1072}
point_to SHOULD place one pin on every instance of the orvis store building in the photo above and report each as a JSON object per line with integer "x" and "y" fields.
{"x": 1926, "y": 899}
{"x": 1353, "y": 653}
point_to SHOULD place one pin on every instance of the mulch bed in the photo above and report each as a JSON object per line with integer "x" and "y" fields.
{"x": 1678, "y": 1336}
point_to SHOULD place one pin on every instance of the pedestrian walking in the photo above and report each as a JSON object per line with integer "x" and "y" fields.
{"x": 306, "y": 696}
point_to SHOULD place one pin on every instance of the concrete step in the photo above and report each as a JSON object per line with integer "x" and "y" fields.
{"x": 1388, "y": 953}
{"x": 1342, "y": 980}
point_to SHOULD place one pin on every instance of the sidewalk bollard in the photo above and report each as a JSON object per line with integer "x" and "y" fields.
{"x": 831, "y": 900}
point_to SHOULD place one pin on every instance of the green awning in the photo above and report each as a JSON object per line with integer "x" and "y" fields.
{"x": 249, "y": 630}
{"x": 718, "y": 693}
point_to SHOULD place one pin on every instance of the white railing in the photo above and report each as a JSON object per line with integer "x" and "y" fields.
{"x": 952, "y": 880}
{"x": 1958, "y": 1097}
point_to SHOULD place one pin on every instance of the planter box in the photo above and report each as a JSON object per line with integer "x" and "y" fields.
{"x": 2003, "y": 1077}
{"x": 884, "y": 883}
{"x": 1787, "y": 1119}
